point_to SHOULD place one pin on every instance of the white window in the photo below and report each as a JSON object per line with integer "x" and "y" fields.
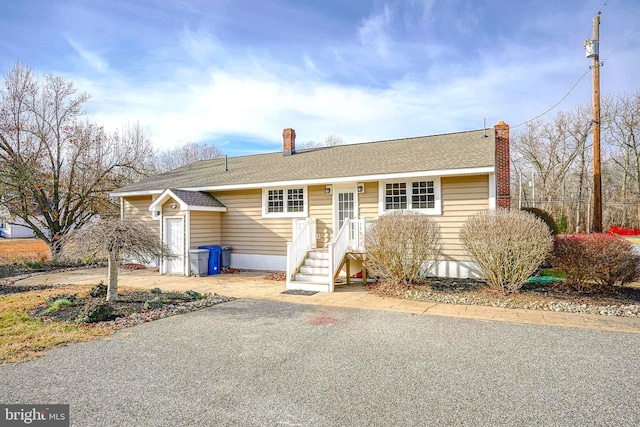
{"x": 423, "y": 195}
{"x": 284, "y": 202}
{"x": 418, "y": 194}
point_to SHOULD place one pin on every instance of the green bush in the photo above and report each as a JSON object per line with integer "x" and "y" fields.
{"x": 563, "y": 224}
{"x": 546, "y": 217}
{"x": 99, "y": 290}
{"x": 194, "y": 295}
{"x": 70, "y": 297}
{"x": 96, "y": 312}
{"x": 156, "y": 291}
{"x": 508, "y": 246}
{"x": 153, "y": 303}
{"x": 403, "y": 247}
{"x": 604, "y": 259}
{"x": 34, "y": 265}
{"x": 58, "y": 304}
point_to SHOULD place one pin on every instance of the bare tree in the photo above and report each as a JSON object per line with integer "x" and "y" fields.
{"x": 188, "y": 153}
{"x": 622, "y": 135}
{"x": 331, "y": 140}
{"x": 56, "y": 170}
{"x": 551, "y": 156}
{"x": 114, "y": 238}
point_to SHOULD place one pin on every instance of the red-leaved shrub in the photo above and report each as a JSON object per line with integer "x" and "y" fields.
{"x": 601, "y": 258}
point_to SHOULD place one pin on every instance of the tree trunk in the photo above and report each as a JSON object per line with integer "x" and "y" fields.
{"x": 112, "y": 276}
{"x": 55, "y": 247}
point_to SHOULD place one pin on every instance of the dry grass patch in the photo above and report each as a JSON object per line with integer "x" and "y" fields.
{"x": 21, "y": 250}
{"x": 24, "y": 337}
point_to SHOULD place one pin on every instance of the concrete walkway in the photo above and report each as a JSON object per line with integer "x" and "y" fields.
{"x": 252, "y": 285}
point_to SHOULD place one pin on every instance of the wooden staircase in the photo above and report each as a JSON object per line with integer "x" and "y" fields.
{"x": 313, "y": 274}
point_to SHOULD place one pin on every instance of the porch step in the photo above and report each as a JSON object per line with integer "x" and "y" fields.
{"x": 313, "y": 270}
{"x": 309, "y": 286}
{"x": 315, "y": 278}
{"x": 318, "y": 255}
{"x": 315, "y": 262}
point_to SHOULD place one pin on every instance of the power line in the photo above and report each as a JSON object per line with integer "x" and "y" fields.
{"x": 557, "y": 103}
{"x": 621, "y": 43}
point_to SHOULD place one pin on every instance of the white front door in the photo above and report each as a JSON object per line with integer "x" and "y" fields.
{"x": 345, "y": 206}
{"x": 174, "y": 238}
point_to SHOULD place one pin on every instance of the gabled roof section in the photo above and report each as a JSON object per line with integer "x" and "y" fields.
{"x": 189, "y": 201}
{"x": 453, "y": 151}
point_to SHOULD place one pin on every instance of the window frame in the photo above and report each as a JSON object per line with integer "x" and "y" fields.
{"x": 285, "y": 202}
{"x": 437, "y": 205}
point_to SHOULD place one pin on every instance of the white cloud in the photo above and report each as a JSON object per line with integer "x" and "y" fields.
{"x": 91, "y": 58}
{"x": 373, "y": 32}
{"x": 209, "y": 90}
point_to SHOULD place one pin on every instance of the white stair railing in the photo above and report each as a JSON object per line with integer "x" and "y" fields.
{"x": 337, "y": 249}
{"x": 304, "y": 233}
{"x": 357, "y": 235}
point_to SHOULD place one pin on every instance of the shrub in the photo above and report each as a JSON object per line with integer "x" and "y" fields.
{"x": 403, "y": 247}
{"x": 156, "y": 291}
{"x": 70, "y": 297}
{"x": 563, "y": 224}
{"x": 194, "y": 294}
{"x": 99, "y": 290}
{"x": 58, "y": 304}
{"x": 601, "y": 258}
{"x": 34, "y": 265}
{"x": 544, "y": 216}
{"x": 153, "y": 303}
{"x": 96, "y": 312}
{"x": 508, "y": 246}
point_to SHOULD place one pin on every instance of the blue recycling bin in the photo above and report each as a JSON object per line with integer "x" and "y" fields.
{"x": 215, "y": 251}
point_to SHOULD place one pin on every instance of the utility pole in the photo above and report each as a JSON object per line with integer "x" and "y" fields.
{"x": 592, "y": 48}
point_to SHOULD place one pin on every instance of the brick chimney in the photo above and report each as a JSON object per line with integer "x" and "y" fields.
{"x": 289, "y": 141}
{"x": 503, "y": 172}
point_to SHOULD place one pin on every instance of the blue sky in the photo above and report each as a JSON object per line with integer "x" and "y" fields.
{"x": 237, "y": 72}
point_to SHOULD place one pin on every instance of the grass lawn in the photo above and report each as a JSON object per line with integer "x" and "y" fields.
{"x": 21, "y": 250}
{"x": 24, "y": 337}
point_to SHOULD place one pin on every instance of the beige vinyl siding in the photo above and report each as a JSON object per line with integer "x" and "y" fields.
{"x": 462, "y": 197}
{"x": 368, "y": 201}
{"x": 137, "y": 209}
{"x": 167, "y": 210}
{"x": 320, "y": 209}
{"x": 244, "y": 228}
{"x": 205, "y": 228}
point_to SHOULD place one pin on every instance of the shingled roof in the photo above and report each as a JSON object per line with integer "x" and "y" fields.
{"x": 462, "y": 150}
{"x": 197, "y": 198}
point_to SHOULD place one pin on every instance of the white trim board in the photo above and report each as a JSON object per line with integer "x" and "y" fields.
{"x": 322, "y": 181}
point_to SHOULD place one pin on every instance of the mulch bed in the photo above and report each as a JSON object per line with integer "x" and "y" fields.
{"x": 129, "y": 309}
{"x": 550, "y": 296}
{"x": 129, "y": 302}
{"x": 280, "y": 277}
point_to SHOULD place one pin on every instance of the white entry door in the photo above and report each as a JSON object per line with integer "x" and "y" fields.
{"x": 345, "y": 206}
{"x": 174, "y": 238}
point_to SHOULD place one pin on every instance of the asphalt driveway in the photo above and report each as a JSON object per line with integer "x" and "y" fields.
{"x": 267, "y": 363}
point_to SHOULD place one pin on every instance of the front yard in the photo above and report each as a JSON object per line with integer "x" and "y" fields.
{"x": 34, "y": 319}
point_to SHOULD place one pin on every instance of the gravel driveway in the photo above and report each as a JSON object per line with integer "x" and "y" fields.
{"x": 261, "y": 363}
